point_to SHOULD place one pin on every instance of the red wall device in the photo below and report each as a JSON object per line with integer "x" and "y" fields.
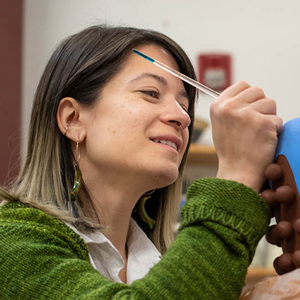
{"x": 214, "y": 70}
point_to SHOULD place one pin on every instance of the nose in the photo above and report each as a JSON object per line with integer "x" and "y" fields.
{"x": 176, "y": 116}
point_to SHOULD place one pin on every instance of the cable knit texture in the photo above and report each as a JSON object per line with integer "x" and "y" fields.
{"x": 221, "y": 224}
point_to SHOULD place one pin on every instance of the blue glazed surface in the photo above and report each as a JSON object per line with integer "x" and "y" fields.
{"x": 289, "y": 146}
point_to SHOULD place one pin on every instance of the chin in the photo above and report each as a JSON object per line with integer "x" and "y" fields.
{"x": 166, "y": 178}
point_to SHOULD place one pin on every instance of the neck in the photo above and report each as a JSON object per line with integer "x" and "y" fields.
{"x": 113, "y": 207}
{"x": 116, "y": 226}
{"x": 114, "y": 195}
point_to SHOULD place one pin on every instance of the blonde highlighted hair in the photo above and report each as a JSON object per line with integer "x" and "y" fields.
{"x": 79, "y": 68}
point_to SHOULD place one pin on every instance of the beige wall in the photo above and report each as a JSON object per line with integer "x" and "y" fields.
{"x": 262, "y": 36}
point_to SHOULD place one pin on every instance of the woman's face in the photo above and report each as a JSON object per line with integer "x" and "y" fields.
{"x": 138, "y": 130}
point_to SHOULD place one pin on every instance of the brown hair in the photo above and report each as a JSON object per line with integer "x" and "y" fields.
{"x": 79, "y": 68}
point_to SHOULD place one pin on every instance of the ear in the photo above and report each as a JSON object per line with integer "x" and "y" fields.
{"x": 68, "y": 119}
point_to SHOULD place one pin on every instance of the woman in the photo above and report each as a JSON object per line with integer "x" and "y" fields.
{"x": 104, "y": 113}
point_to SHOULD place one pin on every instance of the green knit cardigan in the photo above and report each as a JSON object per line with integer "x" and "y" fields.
{"x": 221, "y": 224}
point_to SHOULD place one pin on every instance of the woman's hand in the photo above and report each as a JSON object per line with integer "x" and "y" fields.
{"x": 245, "y": 129}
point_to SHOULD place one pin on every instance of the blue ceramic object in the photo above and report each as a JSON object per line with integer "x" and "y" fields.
{"x": 289, "y": 146}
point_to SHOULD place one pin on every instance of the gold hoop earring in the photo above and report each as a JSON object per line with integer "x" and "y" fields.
{"x": 77, "y": 185}
{"x": 142, "y": 210}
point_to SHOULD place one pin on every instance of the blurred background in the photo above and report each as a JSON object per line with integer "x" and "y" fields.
{"x": 261, "y": 37}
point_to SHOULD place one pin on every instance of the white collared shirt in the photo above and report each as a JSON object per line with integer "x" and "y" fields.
{"x": 106, "y": 259}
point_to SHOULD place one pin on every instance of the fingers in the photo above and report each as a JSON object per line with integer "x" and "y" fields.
{"x": 278, "y": 123}
{"x": 245, "y": 131}
{"x": 235, "y": 89}
{"x": 244, "y": 92}
{"x": 242, "y": 100}
{"x": 265, "y": 106}
{"x": 242, "y": 96}
{"x": 251, "y": 94}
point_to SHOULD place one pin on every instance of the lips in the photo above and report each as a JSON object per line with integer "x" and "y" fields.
{"x": 172, "y": 141}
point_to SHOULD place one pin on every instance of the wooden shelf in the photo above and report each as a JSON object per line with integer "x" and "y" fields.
{"x": 255, "y": 275}
{"x": 202, "y": 155}
{"x": 261, "y": 272}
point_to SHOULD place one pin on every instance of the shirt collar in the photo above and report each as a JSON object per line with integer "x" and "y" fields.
{"x": 142, "y": 253}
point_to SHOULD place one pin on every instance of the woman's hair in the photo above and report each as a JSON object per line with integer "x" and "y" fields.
{"x": 79, "y": 68}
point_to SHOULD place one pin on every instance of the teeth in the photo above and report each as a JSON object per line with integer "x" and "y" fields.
{"x": 171, "y": 144}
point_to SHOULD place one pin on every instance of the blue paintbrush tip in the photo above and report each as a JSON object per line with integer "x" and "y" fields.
{"x": 143, "y": 55}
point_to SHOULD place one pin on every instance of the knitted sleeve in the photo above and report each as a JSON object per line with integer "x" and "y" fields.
{"x": 221, "y": 224}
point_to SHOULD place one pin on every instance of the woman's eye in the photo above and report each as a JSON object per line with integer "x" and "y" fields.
{"x": 184, "y": 108}
{"x": 153, "y": 94}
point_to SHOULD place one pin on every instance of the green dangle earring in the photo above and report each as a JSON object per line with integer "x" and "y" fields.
{"x": 142, "y": 210}
{"x": 77, "y": 177}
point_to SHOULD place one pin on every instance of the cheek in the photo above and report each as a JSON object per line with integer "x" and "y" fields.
{"x": 115, "y": 134}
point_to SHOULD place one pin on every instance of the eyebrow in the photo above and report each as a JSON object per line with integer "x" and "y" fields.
{"x": 160, "y": 79}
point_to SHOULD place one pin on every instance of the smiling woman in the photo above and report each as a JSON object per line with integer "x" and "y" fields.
{"x": 94, "y": 206}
